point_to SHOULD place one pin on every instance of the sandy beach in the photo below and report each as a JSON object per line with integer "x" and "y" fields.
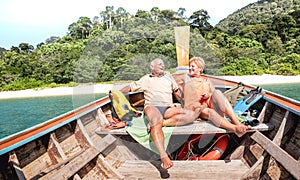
{"x": 264, "y": 79}
{"x": 104, "y": 88}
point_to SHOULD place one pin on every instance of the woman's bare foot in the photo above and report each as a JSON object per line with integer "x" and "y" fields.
{"x": 241, "y": 129}
{"x": 166, "y": 162}
{"x": 109, "y": 118}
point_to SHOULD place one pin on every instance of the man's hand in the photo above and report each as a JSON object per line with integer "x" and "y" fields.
{"x": 179, "y": 95}
{"x": 176, "y": 105}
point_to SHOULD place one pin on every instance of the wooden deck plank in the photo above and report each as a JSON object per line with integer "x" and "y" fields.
{"x": 85, "y": 138}
{"x": 279, "y": 154}
{"x": 82, "y": 159}
{"x": 121, "y": 131}
{"x": 197, "y": 127}
{"x": 75, "y": 165}
{"x": 214, "y": 169}
{"x": 209, "y": 128}
{"x": 277, "y": 140}
{"x": 13, "y": 158}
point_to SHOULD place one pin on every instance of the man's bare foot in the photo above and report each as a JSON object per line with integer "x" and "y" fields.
{"x": 241, "y": 129}
{"x": 166, "y": 162}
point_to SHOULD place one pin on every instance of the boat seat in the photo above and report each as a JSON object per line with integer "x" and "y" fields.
{"x": 208, "y": 169}
{"x": 197, "y": 127}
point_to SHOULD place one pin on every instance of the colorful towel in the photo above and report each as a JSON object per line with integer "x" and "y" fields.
{"x": 138, "y": 131}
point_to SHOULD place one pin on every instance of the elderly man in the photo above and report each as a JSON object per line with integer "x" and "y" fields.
{"x": 158, "y": 88}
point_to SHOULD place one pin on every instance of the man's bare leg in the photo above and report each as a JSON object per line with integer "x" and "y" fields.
{"x": 156, "y": 122}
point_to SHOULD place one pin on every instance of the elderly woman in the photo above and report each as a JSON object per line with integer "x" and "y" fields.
{"x": 198, "y": 91}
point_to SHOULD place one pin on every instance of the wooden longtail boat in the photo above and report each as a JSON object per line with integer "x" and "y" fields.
{"x": 71, "y": 146}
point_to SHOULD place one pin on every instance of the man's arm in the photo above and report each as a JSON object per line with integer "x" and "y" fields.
{"x": 126, "y": 89}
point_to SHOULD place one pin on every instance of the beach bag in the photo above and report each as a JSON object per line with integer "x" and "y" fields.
{"x": 235, "y": 93}
{"x": 121, "y": 108}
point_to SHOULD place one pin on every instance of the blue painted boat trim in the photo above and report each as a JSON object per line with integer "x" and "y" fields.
{"x": 282, "y": 105}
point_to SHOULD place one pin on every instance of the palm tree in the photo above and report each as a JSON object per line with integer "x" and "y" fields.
{"x": 180, "y": 13}
{"x": 121, "y": 15}
{"x": 109, "y": 13}
{"x": 154, "y": 13}
{"x": 84, "y": 26}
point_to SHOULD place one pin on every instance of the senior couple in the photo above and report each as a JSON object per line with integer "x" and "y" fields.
{"x": 200, "y": 97}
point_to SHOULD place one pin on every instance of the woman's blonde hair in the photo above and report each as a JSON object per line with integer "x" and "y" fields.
{"x": 199, "y": 62}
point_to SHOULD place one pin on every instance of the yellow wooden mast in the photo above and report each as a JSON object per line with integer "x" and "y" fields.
{"x": 182, "y": 38}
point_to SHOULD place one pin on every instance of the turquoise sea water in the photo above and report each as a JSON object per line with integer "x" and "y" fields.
{"x": 19, "y": 114}
{"x": 288, "y": 90}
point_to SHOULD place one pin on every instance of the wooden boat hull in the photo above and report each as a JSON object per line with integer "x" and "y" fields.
{"x": 69, "y": 147}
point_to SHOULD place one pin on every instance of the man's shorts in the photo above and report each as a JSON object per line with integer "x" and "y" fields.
{"x": 162, "y": 109}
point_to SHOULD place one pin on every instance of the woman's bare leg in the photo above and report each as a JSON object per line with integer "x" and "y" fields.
{"x": 222, "y": 104}
{"x": 220, "y": 121}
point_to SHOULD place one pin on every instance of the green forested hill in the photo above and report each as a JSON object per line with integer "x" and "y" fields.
{"x": 116, "y": 45}
{"x": 261, "y": 12}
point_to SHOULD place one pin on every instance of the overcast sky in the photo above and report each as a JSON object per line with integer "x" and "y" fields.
{"x": 33, "y": 21}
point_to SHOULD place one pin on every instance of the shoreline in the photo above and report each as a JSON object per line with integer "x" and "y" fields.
{"x": 255, "y": 80}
